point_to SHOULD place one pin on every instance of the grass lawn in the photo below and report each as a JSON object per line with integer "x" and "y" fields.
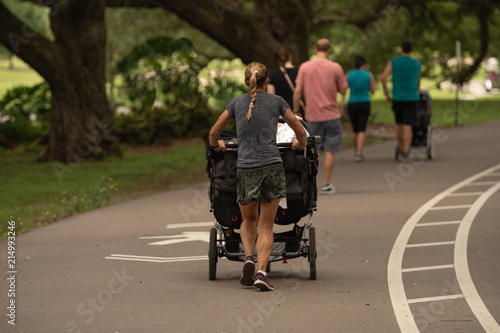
{"x": 481, "y": 109}
{"x": 22, "y": 74}
{"x": 469, "y": 112}
{"x": 35, "y": 194}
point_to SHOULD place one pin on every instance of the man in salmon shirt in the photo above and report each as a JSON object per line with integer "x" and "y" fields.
{"x": 320, "y": 80}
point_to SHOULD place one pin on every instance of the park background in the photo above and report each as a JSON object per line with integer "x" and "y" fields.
{"x": 168, "y": 70}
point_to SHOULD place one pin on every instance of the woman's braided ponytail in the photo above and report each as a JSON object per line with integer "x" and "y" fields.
{"x": 255, "y": 76}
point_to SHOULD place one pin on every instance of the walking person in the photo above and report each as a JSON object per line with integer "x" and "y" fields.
{"x": 320, "y": 80}
{"x": 361, "y": 83}
{"x": 282, "y": 80}
{"x": 260, "y": 174}
{"x": 406, "y": 73}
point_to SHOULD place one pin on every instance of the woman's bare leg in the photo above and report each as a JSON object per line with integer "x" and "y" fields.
{"x": 265, "y": 240}
{"x": 248, "y": 229}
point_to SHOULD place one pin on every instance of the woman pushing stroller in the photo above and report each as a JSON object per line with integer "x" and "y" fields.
{"x": 260, "y": 174}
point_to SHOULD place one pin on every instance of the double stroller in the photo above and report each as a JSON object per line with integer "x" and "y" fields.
{"x": 422, "y": 130}
{"x": 301, "y": 167}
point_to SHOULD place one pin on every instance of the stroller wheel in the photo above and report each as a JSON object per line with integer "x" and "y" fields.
{"x": 312, "y": 253}
{"x": 212, "y": 255}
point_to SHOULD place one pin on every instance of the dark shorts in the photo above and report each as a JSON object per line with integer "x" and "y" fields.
{"x": 261, "y": 184}
{"x": 330, "y": 132}
{"x": 405, "y": 113}
{"x": 358, "y": 115}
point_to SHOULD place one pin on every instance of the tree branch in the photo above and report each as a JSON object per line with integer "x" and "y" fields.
{"x": 36, "y": 2}
{"x": 483, "y": 14}
{"x": 27, "y": 44}
{"x": 326, "y": 20}
{"x": 368, "y": 17}
{"x": 133, "y": 3}
{"x": 219, "y": 18}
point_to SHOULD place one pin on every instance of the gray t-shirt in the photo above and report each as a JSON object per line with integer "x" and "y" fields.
{"x": 257, "y": 137}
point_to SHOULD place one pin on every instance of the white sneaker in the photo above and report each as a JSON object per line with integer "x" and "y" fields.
{"x": 328, "y": 189}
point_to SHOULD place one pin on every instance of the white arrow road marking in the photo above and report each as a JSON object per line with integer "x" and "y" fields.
{"x": 155, "y": 259}
{"x": 190, "y": 225}
{"x": 186, "y": 236}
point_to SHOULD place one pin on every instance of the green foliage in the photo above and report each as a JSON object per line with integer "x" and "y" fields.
{"x": 161, "y": 81}
{"x": 24, "y": 114}
{"x": 35, "y": 17}
{"x": 154, "y": 48}
{"x": 433, "y": 26}
{"x": 222, "y": 90}
{"x": 161, "y": 125}
{"x": 149, "y": 23}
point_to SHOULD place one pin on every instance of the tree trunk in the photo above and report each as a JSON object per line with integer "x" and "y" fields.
{"x": 74, "y": 66}
{"x": 81, "y": 123}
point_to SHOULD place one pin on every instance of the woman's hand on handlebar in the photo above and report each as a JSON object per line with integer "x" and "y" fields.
{"x": 221, "y": 147}
{"x": 297, "y": 145}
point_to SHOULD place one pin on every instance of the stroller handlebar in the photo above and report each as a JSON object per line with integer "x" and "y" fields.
{"x": 233, "y": 143}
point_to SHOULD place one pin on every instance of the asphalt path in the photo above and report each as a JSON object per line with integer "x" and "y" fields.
{"x": 141, "y": 266}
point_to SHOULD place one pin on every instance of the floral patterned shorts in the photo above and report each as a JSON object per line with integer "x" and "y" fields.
{"x": 261, "y": 184}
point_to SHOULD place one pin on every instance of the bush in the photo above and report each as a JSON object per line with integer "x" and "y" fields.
{"x": 161, "y": 125}
{"x": 161, "y": 70}
{"x": 24, "y": 115}
{"x": 222, "y": 90}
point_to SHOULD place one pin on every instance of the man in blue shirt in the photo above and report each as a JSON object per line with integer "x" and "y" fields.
{"x": 406, "y": 73}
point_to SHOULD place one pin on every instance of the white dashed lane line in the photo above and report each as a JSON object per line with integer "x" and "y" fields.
{"x": 395, "y": 270}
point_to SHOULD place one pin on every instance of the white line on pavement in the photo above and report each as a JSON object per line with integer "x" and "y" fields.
{"x": 155, "y": 259}
{"x": 430, "y": 244}
{"x": 434, "y": 299}
{"x": 397, "y": 292}
{"x": 190, "y": 225}
{"x": 449, "y": 207}
{"x": 482, "y": 183}
{"x": 462, "y": 267}
{"x": 426, "y": 268}
{"x": 434, "y": 224}
{"x": 464, "y": 194}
